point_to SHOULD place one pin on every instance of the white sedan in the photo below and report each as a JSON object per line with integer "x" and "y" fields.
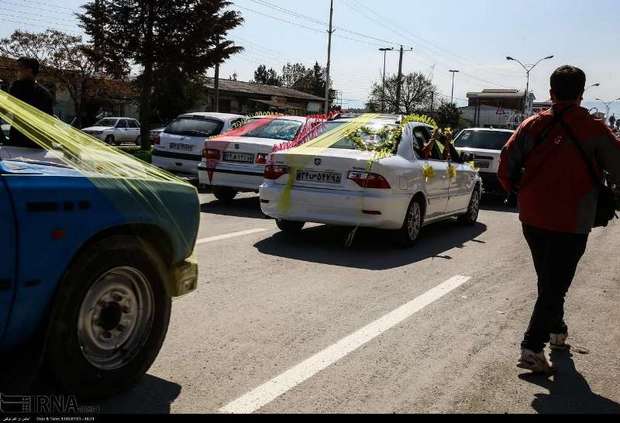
{"x": 235, "y": 162}
{"x": 330, "y": 180}
{"x": 116, "y": 130}
{"x": 178, "y": 149}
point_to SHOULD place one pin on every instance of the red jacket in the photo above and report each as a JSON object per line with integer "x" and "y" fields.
{"x": 556, "y": 190}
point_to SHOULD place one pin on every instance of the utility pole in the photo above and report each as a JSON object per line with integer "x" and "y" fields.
{"x": 384, "y": 50}
{"x": 217, "y": 81}
{"x": 454, "y": 72}
{"x": 399, "y": 85}
{"x": 329, "y": 55}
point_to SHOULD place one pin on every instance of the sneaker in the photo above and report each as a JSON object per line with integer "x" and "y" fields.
{"x": 536, "y": 362}
{"x": 558, "y": 342}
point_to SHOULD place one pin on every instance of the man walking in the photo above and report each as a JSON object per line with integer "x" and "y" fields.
{"x": 557, "y": 200}
{"x": 29, "y": 91}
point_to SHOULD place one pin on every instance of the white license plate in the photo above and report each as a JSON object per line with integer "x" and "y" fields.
{"x": 181, "y": 147}
{"x": 319, "y": 177}
{"x": 482, "y": 164}
{"x": 231, "y": 156}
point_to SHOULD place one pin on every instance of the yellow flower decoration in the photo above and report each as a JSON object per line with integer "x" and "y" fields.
{"x": 472, "y": 164}
{"x": 451, "y": 171}
{"x": 428, "y": 171}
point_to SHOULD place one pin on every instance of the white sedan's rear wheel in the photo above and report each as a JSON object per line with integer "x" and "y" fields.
{"x": 412, "y": 226}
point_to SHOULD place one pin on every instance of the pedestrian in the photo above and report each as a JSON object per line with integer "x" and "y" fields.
{"x": 551, "y": 162}
{"x": 27, "y": 89}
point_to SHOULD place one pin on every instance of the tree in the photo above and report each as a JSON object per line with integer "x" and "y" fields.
{"x": 266, "y": 77}
{"x": 448, "y": 116}
{"x": 188, "y": 36}
{"x": 292, "y": 74}
{"x": 417, "y": 93}
{"x": 62, "y": 56}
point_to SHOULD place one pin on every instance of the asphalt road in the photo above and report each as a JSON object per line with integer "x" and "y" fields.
{"x": 307, "y": 325}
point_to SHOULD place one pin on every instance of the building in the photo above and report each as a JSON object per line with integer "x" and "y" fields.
{"x": 248, "y": 97}
{"x": 498, "y": 108}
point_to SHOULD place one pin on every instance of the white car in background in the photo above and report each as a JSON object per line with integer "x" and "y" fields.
{"x": 178, "y": 149}
{"x": 116, "y": 130}
{"x": 236, "y": 163}
{"x": 484, "y": 146}
{"x": 336, "y": 186}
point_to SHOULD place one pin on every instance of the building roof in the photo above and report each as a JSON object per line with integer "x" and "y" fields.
{"x": 251, "y": 88}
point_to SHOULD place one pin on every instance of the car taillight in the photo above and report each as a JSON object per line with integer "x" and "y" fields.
{"x": 261, "y": 158}
{"x": 369, "y": 180}
{"x": 211, "y": 154}
{"x": 274, "y": 172}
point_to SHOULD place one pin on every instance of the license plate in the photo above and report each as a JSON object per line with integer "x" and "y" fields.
{"x": 319, "y": 177}
{"x": 482, "y": 164}
{"x": 231, "y": 156}
{"x": 181, "y": 147}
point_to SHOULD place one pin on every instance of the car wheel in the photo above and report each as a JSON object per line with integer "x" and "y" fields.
{"x": 290, "y": 227}
{"x": 110, "y": 319}
{"x": 110, "y": 140}
{"x": 225, "y": 195}
{"x": 412, "y": 225}
{"x": 471, "y": 217}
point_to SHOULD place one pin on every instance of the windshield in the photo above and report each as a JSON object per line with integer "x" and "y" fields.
{"x": 107, "y": 122}
{"x": 276, "y": 129}
{"x": 195, "y": 126}
{"x": 486, "y": 140}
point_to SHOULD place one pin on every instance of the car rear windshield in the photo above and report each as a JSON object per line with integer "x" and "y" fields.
{"x": 276, "y": 129}
{"x": 195, "y": 126}
{"x": 486, "y": 140}
{"x": 107, "y": 122}
{"x": 348, "y": 144}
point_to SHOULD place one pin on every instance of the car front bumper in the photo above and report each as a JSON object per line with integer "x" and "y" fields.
{"x": 370, "y": 208}
{"x": 184, "y": 277}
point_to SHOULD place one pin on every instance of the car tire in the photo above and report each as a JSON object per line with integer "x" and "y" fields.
{"x": 289, "y": 226}
{"x": 110, "y": 140}
{"x": 225, "y": 195}
{"x": 412, "y": 226}
{"x": 473, "y": 210}
{"x": 110, "y": 319}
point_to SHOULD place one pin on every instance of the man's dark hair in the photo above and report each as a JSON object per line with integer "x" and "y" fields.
{"x": 29, "y": 63}
{"x": 568, "y": 83}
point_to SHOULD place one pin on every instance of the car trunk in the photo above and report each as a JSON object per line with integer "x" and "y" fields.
{"x": 325, "y": 168}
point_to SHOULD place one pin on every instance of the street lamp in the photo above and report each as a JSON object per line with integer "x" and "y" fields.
{"x": 454, "y": 72}
{"x": 608, "y": 104}
{"x": 384, "y": 50}
{"x": 592, "y": 86}
{"x": 527, "y": 72}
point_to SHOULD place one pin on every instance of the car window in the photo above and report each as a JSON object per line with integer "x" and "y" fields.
{"x": 122, "y": 124}
{"x": 487, "y": 140}
{"x": 347, "y": 143}
{"x": 194, "y": 126}
{"x": 107, "y": 122}
{"x": 276, "y": 129}
{"x": 132, "y": 124}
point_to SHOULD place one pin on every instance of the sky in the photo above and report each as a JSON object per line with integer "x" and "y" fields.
{"x": 473, "y": 36}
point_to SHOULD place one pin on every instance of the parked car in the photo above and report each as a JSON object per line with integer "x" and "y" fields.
{"x": 484, "y": 146}
{"x": 88, "y": 269}
{"x": 5, "y": 129}
{"x": 343, "y": 185}
{"x": 180, "y": 145}
{"x": 116, "y": 130}
{"x": 236, "y": 163}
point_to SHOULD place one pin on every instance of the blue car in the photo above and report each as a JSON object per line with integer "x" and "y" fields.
{"x": 88, "y": 267}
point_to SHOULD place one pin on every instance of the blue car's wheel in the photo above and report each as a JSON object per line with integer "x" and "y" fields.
{"x": 110, "y": 319}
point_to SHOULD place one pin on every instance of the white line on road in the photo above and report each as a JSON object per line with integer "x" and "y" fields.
{"x": 228, "y": 236}
{"x": 266, "y": 393}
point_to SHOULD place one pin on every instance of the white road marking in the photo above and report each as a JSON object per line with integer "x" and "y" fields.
{"x": 231, "y": 235}
{"x": 269, "y": 391}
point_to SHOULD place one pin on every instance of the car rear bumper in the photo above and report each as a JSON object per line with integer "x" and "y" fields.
{"x": 370, "y": 208}
{"x": 243, "y": 179}
{"x": 181, "y": 164}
